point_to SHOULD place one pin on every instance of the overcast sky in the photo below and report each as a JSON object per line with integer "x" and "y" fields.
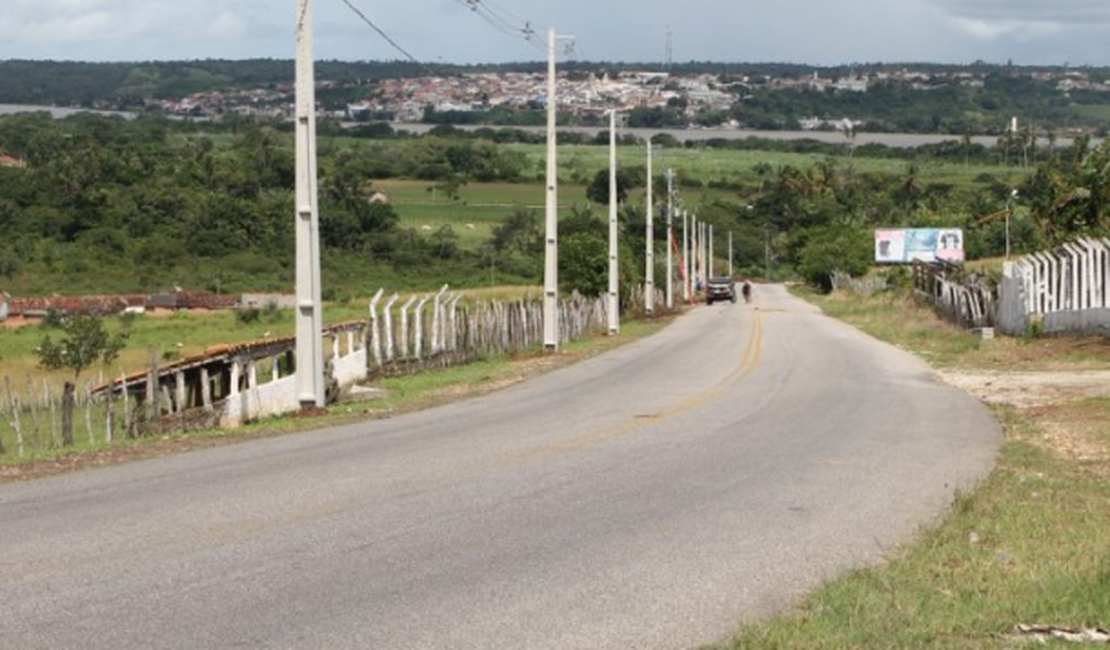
{"x": 802, "y": 31}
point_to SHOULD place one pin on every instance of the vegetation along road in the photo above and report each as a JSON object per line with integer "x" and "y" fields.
{"x": 655, "y": 496}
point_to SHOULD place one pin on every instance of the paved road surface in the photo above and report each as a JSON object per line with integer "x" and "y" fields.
{"x": 653, "y": 497}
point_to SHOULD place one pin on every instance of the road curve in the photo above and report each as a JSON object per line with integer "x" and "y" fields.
{"x": 653, "y": 497}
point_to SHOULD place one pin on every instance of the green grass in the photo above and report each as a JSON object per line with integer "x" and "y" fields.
{"x": 578, "y": 163}
{"x": 1094, "y": 112}
{"x": 899, "y": 319}
{"x": 168, "y": 336}
{"x": 479, "y": 209}
{"x": 1029, "y": 545}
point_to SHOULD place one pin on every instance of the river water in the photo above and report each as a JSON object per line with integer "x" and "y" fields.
{"x": 57, "y": 112}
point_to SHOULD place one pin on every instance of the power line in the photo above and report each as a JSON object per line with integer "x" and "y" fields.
{"x": 505, "y": 11}
{"x": 381, "y": 32}
{"x": 513, "y": 26}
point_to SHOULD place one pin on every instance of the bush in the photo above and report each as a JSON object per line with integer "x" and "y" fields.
{"x": 898, "y": 277}
{"x": 584, "y": 264}
{"x": 834, "y": 248}
{"x": 248, "y": 315}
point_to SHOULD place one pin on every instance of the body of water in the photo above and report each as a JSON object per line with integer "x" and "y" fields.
{"x": 58, "y": 112}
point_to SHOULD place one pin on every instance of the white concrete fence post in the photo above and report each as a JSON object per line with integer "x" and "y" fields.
{"x": 418, "y": 344}
{"x": 405, "y": 326}
{"x": 389, "y": 328}
{"x": 436, "y": 319}
{"x": 375, "y": 331}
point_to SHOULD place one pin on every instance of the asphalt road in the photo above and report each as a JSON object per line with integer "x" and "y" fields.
{"x": 654, "y": 497}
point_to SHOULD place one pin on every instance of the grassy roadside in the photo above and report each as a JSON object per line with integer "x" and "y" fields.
{"x": 402, "y": 395}
{"x": 1030, "y": 545}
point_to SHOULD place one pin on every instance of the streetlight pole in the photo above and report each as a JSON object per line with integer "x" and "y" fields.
{"x": 551, "y": 247}
{"x": 614, "y": 267}
{"x": 1009, "y": 213}
{"x": 311, "y": 391}
{"x": 649, "y": 275}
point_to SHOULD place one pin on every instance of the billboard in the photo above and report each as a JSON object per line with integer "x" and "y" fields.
{"x": 907, "y": 245}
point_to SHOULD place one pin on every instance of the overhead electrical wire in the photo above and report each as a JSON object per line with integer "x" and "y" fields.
{"x": 381, "y": 32}
{"x": 495, "y": 16}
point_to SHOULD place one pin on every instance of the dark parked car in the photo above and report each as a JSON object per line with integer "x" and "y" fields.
{"x": 720, "y": 289}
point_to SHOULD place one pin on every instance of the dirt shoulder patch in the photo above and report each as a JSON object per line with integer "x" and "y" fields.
{"x": 1071, "y": 409}
{"x": 1030, "y": 389}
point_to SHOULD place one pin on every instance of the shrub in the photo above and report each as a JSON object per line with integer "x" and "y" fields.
{"x": 834, "y": 248}
{"x": 248, "y": 315}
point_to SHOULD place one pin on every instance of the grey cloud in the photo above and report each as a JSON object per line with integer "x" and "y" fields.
{"x": 1061, "y": 12}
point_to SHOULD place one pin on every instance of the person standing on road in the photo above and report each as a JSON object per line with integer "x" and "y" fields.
{"x": 747, "y": 291}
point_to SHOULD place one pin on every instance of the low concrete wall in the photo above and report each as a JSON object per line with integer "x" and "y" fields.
{"x": 351, "y": 369}
{"x": 275, "y": 398}
{"x": 264, "y": 300}
{"x": 1088, "y": 322}
{"x": 280, "y": 397}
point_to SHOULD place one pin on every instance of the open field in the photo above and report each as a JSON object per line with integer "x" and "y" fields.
{"x": 1028, "y": 546}
{"x": 709, "y": 165}
{"x": 480, "y": 207}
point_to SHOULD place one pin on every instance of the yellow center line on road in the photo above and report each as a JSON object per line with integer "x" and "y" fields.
{"x": 750, "y": 361}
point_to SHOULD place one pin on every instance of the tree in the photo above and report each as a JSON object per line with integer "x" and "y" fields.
{"x": 833, "y": 248}
{"x": 627, "y": 179}
{"x": 86, "y": 343}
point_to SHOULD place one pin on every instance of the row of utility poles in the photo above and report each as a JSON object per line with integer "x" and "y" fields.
{"x": 696, "y": 268}
{"x": 697, "y": 237}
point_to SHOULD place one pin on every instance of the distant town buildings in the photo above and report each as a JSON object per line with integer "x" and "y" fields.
{"x": 587, "y": 94}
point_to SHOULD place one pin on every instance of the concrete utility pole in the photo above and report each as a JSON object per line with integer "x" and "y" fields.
{"x": 614, "y": 266}
{"x": 670, "y": 239}
{"x": 649, "y": 274}
{"x": 707, "y": 255}
{"x": 685, "y": 256}
{"x": 711, "y": 265}
{"x": 694, "y": 252}
{"x": 700, "y": 242}
{"x": 311, "y": 391}
{"x": 730, "y": 254}
{"x": 551, "y": 249}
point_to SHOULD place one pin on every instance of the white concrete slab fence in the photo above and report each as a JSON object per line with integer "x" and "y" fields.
{"x": 965, "y": 299}
{"x": 1065, "y": 290}
{"x": 440, "y": 330}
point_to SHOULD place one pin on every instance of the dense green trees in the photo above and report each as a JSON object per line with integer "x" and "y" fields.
{"x": 109, "y": 205}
